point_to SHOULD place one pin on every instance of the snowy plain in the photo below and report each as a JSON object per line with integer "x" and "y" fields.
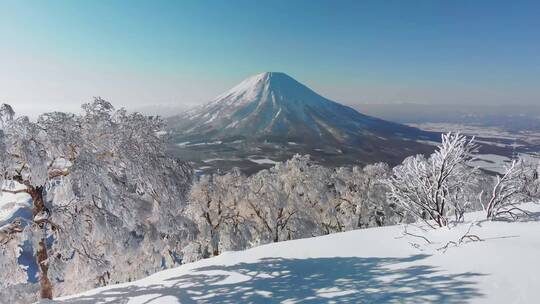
{"x": 377, "y": 265}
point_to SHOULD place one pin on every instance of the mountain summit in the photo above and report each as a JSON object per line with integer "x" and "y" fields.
{"x": 273, "y": 107}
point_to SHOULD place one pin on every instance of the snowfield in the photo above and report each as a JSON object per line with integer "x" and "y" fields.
{"x": 491, "y": 162}
{"x": 378, "y": 265}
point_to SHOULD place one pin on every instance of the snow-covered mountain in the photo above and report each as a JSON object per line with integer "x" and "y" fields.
{"x": 274, "y": 108}
{"x": 378, "y": 265}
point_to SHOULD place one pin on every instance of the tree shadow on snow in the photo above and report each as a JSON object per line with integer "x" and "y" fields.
{"x": 317, "y": 280}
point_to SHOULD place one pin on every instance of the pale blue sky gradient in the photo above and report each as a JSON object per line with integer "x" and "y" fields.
{"x": 61, "y": 53}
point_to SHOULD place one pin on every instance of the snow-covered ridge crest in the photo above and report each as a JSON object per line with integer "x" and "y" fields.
{"x": 252, "y": 85}
{"x": 265, "y": 85}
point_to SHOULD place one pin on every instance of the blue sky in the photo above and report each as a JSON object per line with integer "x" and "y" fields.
{"x": 61, "y": 53}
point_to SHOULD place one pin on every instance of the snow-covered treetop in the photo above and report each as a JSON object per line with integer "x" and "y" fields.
{"x": 434, "y": 187}
{"x": 107, "y": 186}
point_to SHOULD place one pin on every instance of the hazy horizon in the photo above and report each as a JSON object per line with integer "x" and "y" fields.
{"x": 58, "y": 54}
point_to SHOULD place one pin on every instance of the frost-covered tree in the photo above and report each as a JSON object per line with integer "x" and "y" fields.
{"x": 106, "y": 200}
{"x": 360, "y": 201}
{"x": 509, "y": 189}
{"x": 532, "y": 178}
{"x": 314, "y": 193}
{"x": 282, "y": 200}
{"x": 435, "y": 188}
{"x": 294, "y": 199}
{"x": 272, "y": 203}
{"x": 235, "y": 212}
{"x": 214, "y": 206}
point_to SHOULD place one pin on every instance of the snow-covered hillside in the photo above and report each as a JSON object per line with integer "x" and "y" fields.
{"x": 379, "y": 265}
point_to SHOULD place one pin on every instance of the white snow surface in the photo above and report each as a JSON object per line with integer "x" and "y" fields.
{"x": 491, "y": 162}
{"x": 378, "y": 265}
{"x": 11, "y": 205}
{"x": 244, "y": 91}
{"x": 263, "y": 161}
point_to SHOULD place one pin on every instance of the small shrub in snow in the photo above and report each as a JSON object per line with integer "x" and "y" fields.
{"x": 435, "y": 188}
{"x": 509, "y": 189}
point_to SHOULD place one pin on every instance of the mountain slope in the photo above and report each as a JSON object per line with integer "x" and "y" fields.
{"x": 273, "y": 108}
{"x": 274, "y": 104}
{"x": 376, "y": 265}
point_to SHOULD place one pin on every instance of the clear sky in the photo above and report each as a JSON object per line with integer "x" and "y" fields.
{"x": 58, "y": 54}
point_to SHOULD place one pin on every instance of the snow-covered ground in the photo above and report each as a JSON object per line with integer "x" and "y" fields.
{"x": 13, "y": 205}
{"x": 526, "y": 144}
{"x": 498, "y": 163}
{"x": 530, "y": 137}
{"x": 379, "y": 265}
{"x": 262, "y": 161}
{"x": 491, "y": 162}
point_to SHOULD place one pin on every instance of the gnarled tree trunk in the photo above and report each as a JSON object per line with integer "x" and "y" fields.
{"x": 38, "y": 210}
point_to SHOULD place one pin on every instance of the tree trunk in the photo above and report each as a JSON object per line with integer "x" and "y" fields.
{"x": 44, "y": 282}
{"x": 38, "y": 208}
{"x": 215, "y": 243}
